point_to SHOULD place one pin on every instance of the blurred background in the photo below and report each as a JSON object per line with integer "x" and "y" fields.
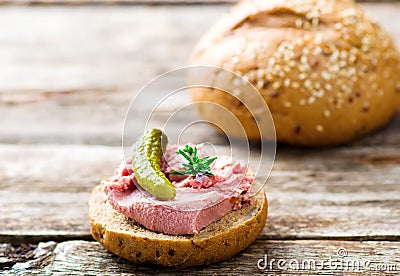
{"x": 68, "y": 72}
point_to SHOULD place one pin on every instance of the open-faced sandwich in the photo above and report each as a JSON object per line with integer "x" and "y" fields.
{"x": 175, "y": 206}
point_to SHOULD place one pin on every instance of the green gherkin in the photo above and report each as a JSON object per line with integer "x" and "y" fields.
{"x": 147, "y": 153}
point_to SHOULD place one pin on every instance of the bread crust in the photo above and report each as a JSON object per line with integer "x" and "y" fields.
{"x": 327, "y": 72}
{"x": 218, "y": 241}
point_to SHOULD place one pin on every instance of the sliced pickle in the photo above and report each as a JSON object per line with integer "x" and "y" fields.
{"x": 147, "y": 153}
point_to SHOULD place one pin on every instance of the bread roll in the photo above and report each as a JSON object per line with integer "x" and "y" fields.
{"x": 326, "y": 71}
{"x": 218, "y": 241}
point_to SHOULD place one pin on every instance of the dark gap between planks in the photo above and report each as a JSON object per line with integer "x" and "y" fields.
{"x": 35, "y": 239}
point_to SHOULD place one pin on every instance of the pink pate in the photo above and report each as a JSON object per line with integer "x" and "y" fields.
{"x": 199, "y": 200}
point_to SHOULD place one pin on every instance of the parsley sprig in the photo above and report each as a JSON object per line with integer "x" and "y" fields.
{"x": 195, "y": 166}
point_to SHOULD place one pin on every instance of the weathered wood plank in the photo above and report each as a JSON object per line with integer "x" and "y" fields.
{"x": 119, "y": 2}
{"x": 103, "y": 125}
{"x": 102, "y": 47}
{"x": 353, "y": 193}
{"x": 25, "y": 256}
{"x": 76, "y": 87}
{"x": 110, "y": 47}
{"x": 288, "y": 257}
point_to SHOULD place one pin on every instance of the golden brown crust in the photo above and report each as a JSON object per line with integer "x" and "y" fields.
{"x": 218, "y": 241}
{"x": 327, "y": 72}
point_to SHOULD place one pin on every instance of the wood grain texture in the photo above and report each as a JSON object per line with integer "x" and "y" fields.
{"x": 289, "y": 257}
{"x": 91, "y": 54}
{"x": 79, "y": 67}
{"x": 125, "y": 2}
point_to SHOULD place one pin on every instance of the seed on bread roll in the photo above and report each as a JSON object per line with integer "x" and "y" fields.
{"x": 327, "y": 72}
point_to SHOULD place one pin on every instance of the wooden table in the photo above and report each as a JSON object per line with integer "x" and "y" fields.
{"x": 67, "y": 75}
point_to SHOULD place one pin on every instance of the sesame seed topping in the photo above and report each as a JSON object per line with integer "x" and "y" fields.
{"x": 338, "y": 26}
{"x": 314, "y": 66}
{"x": 306, "y": 51}
{"x": 304, "y": 67}
{"x": 351, "y": 71}
{"x": 317, "y": 51}
{"x": 343, "y": 55}
{"x": 276, "y": 85}
{"x": 287, "y": 104}
{"x": 260, "y": 84}
{"x": 334, "y": 55}
{"x": 318, "y": 93}
{"x": 271, "y": 61}
{"x": 308, "y": 84}
{"x": 335, "y": 68}
{"x": 298, "y": 41}
{"x": 325, "y": 75}
{"x": 364, "y": 68}
{"x": 286, "y": 56}
{"x": 364, "y": 48}
{"x": 319, "y": 128}
{"x": 235, "y": 60}
{"x": 345, "y": 88}
{"x": 295, "y": 85}
{"x": 365, "y": 40}
{"x": 328, "y": 86}
{"x": 349, "y": 20}
{"x": 318, "y": 38}
{"x": 260, "y": 74}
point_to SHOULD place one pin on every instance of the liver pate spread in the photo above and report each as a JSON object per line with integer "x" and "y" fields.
{"x": 199, "y": 200}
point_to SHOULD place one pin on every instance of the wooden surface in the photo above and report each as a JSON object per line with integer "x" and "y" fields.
{"x": 127, "y": 2}
{"x": 67, "y": 77}
{"x": 296, "y": 258}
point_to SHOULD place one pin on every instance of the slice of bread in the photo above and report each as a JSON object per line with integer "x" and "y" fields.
{"x": 218, "y": 241}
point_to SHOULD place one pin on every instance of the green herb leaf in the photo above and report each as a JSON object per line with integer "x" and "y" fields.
{"x": 195, "y": 166}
